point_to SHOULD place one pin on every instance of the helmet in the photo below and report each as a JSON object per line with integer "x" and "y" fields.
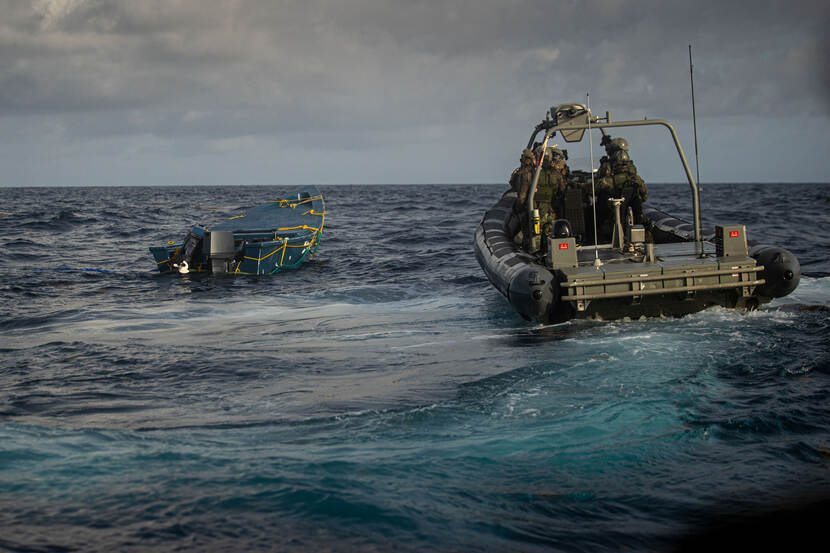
{"x": 621, "y": 156}
{"x": 621, "y": 144}
{"x": 556, "y": 153}
{"x": 527, "y": 155}
{"x": 538, "y": 151}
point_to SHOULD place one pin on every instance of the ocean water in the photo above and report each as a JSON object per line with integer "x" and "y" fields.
{"x": 385, "y": 396}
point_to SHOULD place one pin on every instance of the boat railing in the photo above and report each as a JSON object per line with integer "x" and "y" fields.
{"x": 551, "y": 127}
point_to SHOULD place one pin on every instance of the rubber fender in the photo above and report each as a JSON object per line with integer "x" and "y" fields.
{"x": 782, "y": 271}
{"x": 531, "y": 293}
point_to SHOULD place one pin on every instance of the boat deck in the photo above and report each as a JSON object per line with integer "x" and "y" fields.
{"x": 662, "y": 252}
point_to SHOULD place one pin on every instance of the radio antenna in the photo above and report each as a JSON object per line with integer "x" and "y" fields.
{"x": 694, "y": 116}
{"x": 597, "y": 262}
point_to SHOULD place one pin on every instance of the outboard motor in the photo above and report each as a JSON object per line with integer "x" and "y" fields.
{"x": 191, "y": 248}
{"x": 782, "y": 271}
{"x": 221, "y": 251}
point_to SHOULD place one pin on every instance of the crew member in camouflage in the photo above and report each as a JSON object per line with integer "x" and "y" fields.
{"x": 520, "y": 183}
{"x": 617, "y": 173}
{"x": 549, "y": 180}
{"x": 523, "y": 175}
{"x": 549, "y": 197}
{"x": 551, "y": 193}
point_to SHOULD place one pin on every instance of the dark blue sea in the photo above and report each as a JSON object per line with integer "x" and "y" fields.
{"x": 385, "y": 397}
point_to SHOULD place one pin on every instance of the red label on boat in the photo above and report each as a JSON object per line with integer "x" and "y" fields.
{"x": 734, "y": 233}
{"x": 563, "y": 246}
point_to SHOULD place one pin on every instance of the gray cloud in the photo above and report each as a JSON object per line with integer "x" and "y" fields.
{"x": 417, "y": 70}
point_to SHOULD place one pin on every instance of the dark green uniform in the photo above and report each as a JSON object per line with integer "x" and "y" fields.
{"x": 625, "y": 175}
{"x": 628, "y": 184}
{"x": 549, "y": 197}
{"x": 520, "y": 183}
{"x": 550, "y": 193}
{"x": 523, "y": 175}
{"x": 549, "y": 181}
{"x": 604, "y": 184}
{"x": 616, "y": 174}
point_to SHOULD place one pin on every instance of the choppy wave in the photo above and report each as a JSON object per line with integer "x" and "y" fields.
{"x": 384, "y": 396}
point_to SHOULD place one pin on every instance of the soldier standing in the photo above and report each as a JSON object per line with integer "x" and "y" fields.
{"x": 523, "y": 175}
{"x": 605, "y": 188}
{"x": 549, "y": 182}
{"x": 625, "y": 174}
{"x": 520, "y": 182}
{"x": 617, "y": 178}
{"x": 561, "y": 174}
{"x": 627, "y": 183}
{"x": 549, "y": 197}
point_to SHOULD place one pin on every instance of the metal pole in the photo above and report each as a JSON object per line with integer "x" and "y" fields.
{"x": 531, "y": 194}
{"x": 597, "y": 262}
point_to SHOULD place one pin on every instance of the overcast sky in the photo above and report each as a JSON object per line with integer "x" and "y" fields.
{"x": 135, "y": 92}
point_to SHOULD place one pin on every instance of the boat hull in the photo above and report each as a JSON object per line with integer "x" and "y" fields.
{"x": 676, "y": 281}
{"x": 279, "y": 235}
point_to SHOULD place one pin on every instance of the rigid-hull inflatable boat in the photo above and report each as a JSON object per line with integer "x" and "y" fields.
{"x": 660, "y": 267}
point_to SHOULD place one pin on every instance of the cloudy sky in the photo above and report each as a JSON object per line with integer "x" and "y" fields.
{"x": 134, "y": 92}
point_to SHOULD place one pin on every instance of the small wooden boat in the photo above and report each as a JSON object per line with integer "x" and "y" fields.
{"x": 280, "y": 234}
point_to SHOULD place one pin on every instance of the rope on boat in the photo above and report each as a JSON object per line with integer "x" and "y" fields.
{"x": 285, "y": 245}
{"x": 309, "y": 252}
{"x": 314, "y": 243}
{"x": 311, "y": 249}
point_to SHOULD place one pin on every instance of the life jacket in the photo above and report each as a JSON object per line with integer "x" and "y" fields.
{"x": 625, "y": 175}
{"x": 545, "y": 186}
